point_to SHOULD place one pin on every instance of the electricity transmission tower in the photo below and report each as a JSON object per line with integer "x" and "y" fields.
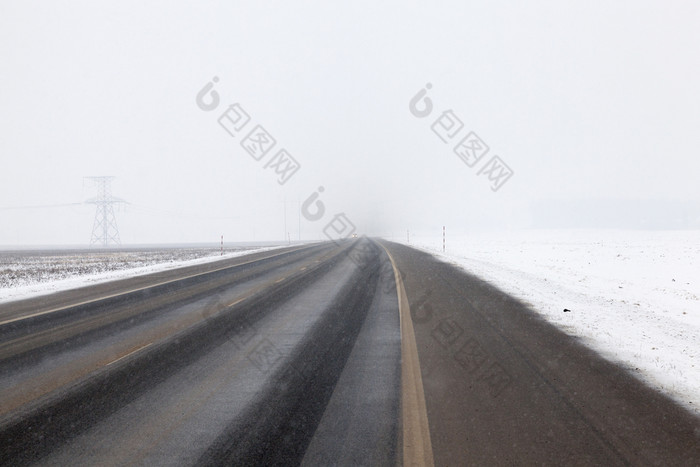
{"x": 104, "y": 229}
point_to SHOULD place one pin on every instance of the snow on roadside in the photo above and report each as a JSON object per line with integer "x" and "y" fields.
{"x": 129, "y": 264}
{"x": 634, "y": 296}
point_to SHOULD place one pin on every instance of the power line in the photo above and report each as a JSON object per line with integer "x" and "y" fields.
{"x": 179, "y": 214}
{"x": 39, "y": 206}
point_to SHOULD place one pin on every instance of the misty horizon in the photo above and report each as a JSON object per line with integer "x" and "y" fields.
{"x": 476, "y": 117}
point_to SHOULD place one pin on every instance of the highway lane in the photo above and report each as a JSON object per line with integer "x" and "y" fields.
{"x": 44, "y": 303}
{"x": 504, "y": 387}
{"x": 48, "y": 350}
{"x": 35, "y": 323}
{"x": 242, "y": 365}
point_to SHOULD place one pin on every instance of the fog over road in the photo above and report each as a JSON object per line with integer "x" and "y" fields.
{"x": 362, "y": 352}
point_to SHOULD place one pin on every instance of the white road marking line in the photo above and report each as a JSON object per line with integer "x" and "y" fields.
{"x": 130, "y": 353}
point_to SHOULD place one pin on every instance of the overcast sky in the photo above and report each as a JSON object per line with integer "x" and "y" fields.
{"x": 593, "y": 100}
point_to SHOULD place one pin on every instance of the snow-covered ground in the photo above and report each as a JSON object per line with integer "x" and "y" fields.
{"x": 634, "y": 296}
{"x": 25, "y": 274}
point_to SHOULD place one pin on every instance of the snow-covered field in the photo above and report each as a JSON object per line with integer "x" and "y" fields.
{"x": 30, "y": 273}
{"x": 634, "y": 296}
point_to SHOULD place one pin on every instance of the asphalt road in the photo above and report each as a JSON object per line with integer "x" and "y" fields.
{"x": 362, "y": 353}
{"x": 281, "y": 358}
{"x": 504, "y": 387}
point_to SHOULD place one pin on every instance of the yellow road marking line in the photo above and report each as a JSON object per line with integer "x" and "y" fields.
{"x": 417, "y": 447}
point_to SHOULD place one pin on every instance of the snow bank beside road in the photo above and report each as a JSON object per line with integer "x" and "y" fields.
{"x": 634, "y": 296}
